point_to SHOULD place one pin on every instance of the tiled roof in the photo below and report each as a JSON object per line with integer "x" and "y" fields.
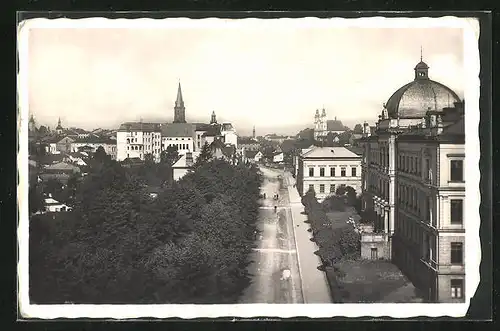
{"x": 62, "y": 166}
{"x": 213, "y": 131}
{"x": 334, "y": 125}
{"x": 202, "y": 126}
{"x": 330, "y": 152}
{"x": 177, "y": 130}
{"x": 139, "y": 126}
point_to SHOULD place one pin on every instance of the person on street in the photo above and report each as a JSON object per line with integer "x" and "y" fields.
{"x": 275, "y": 208}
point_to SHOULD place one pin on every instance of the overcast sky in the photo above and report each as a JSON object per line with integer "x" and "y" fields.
{"x": 274, "y": 79}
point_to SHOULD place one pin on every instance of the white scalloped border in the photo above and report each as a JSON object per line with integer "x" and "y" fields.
{"x": 470, "y": 27}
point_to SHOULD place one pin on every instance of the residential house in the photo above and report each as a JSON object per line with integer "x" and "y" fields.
{"x": 54, "y": 206}
{"x": 184, "y": 164}
{"x": 278, "y": 158}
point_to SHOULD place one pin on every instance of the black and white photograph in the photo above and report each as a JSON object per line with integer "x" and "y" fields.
{"x": 192, "y": 168}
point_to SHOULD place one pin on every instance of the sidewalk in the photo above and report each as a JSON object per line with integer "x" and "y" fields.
{"x": 314, "y": 282}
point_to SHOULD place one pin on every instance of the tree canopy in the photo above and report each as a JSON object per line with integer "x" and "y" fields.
{"x": 191, "y": 244}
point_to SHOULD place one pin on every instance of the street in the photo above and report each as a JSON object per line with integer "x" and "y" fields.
{"x": 276, "y": 253}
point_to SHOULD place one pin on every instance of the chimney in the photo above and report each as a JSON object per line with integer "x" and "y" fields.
{"x": 189, "y": 159}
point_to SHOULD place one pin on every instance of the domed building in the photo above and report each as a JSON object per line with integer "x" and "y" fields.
{"x": 413, "y": 186}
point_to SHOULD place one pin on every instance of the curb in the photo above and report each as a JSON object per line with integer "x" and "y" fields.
{"x": 295, "y": 239}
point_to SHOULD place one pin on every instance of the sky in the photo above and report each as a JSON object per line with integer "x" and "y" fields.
{"x": 273, "y": 79}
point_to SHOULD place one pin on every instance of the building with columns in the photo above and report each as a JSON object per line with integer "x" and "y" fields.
{"x": 414, "y": 186}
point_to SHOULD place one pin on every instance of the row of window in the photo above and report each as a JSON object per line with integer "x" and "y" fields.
{"x": 412, "y": 164}
{"x": 412, "y": 199}
{"x": 333, "y": 172}
{"x": 322, "y": 187}
{"x": 178, "y": 146}
{"x": 177, "y": 138}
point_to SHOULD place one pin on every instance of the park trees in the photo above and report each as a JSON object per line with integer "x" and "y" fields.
{"x": 189, "y": 245}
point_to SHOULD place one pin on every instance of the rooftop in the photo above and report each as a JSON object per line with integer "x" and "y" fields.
{"x": 177, "y": 130}
{"x": 329, "y": 152}
{"x": 140, "y": 126}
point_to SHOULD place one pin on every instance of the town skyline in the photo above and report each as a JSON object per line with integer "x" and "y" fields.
{"x": 112, "y": 74}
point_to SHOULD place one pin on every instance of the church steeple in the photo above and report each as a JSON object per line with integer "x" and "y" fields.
{"x": 253, "y": 132}
{"x": 179, "y": 109}
{"x": 213, "y": 119}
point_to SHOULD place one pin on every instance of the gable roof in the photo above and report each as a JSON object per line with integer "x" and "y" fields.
{"x": 62, "y": 166}
{"x": 330, "y": 152}
{"x": 65, "y": 140}
{"x": 177, "y": 130}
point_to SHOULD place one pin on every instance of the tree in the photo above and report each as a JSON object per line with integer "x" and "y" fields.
{"x": 306, "y": 134}
{"x": 345, "y": 137}
{"x": 204, "y": 157}
{"x": 35, "y": 198}
{"x": 169, "y": 156}
{"x": 358, "y": 128}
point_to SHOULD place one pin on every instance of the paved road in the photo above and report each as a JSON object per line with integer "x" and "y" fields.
{"x": 276, "y": 250}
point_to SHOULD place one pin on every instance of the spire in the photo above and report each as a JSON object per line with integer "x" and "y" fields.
{"x": 421, "y": 58}
{"x": 179, "y": 102}
{"x": 253, "y": 132}
{"x": 179, "y": 109}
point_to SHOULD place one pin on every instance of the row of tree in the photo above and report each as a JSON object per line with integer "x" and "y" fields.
{"x": 190, "y": 244}
{"x": 336, "y": 243}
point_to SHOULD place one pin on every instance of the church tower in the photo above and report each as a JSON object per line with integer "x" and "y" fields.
{"x": 253, "y": 132}
{"x": 213, "y": 119}
{"x": 317, "y": 124}
{"x": 179, "y": 110}
{"x": 323, "y": 122}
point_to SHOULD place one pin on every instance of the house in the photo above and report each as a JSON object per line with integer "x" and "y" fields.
{"x": 184, "y": 164}
{"x": 324, "y": 169}
{"x": 278, "y": 158}
{"x": 252, "y": 156}
{"x": 90, "y": 143}
{"x": 248, "y": 144}
{"x": 54, "y": 206}
{"x": 413, "y": 184}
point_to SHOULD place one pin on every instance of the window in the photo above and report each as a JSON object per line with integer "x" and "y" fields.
{"x": 374, "y": 253}
{"x": 457, "y": 211}
{"x": 322, "y": 172}
{"x": 457, "y": 288}
{"x": 332, "y": 172}
{"x": 321, "y": 188}
{"x": 332, "y": 188}
{"x": 342, "y": 172}
{"x": 427, "y": 168}
{"x": 311, "y": 187}
{"x": 457, "y": 253}
{"x": 353, "y": 172}
{"x": 311, "y": 172}
{"x": 457, "y": 172}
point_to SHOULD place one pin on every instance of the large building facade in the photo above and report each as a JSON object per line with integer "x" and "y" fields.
{"x": 414, "y": 186}
{"x": 324, "y": 169}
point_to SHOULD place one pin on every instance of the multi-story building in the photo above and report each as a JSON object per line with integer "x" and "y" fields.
{"x": 414, "y": 185}
{"x": 135, "y": 140}
{"x": 324, "y": 169}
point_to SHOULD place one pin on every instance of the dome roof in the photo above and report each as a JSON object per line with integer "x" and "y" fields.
{"x": 414, "y": 99}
